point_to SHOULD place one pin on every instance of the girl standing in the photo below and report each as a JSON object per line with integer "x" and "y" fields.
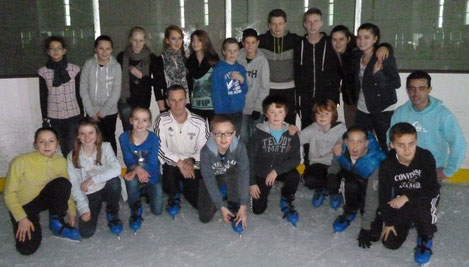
{"x": 35, "y": 182}
{"x": 376, "y": 80}
{"x": 171, "y": 68}
{"x": 94, "y": 172}
{"x": 138, "y": 65}
{"x": 140, "y": 151}
{"x": 100, "y": 88}
{"x": 200, "y": 65}
{"x": 59, "y": 82}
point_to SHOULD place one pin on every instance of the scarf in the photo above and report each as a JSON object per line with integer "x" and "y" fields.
{"x": 129, "y": 54}
{"x": 174, "y": 70}
{"x": 61, "y": 75}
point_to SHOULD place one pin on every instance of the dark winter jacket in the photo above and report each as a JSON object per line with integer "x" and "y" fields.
{"x": 140, "y": 89}
{"x": 379, "y": 89}
{"x": 279, "y": 54}
{"x": 212, "y": 166}
{"x": 266, "y": 154}
{"x": 160, "y": 85}
{"x": 317, "y": 69}
{"x": 417, "y": 181}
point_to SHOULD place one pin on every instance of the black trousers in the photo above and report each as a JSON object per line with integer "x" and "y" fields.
{"x": 172, "y": 177}
{"x": 107, "y": 125}
{"x": 109, "y": 194}
{"x": 422, "y": 214}
{"x": 379, "y": 122}
{"x": 206, "y": 207}
{"x": 315, "y": 176}
{"x": 290, "y": 185}
{"x": 353, "y": 190}
{"x": 53, "y": 197}
{"x": 289, "y": 96}
{"x": 66, "y": 131}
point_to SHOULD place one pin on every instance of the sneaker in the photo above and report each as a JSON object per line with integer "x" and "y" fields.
{"x": 343, "y": 221}
{"x": 335, "y": 201}
{"x": 289, "y": 211}
{"x": 135, "y": 221}
{"x": 423, "y": 251}
{"x": 61, "y": 229}
{"x": 114, "y": 223}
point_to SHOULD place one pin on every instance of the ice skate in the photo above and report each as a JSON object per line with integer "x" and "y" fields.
{"x": 423, "y": 251}
{"x": 343, "y": 221}
{"x": 335, "y": 201}
{"x": 60, "y": 229}
{"x": 319, "y": 197}
{"x": 114, "y": 224}
{"x": 289, "y": 211}
{"x": 135, "y": 221}
{"x": 173, "y": 206}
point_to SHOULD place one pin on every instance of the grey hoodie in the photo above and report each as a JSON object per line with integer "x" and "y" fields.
{"x": 211, "y": 166}
{"x": 258, "y": 74}
{"x": 100, "y": 87}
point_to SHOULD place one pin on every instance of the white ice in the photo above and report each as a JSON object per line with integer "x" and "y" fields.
{"x": 268, "y": 241}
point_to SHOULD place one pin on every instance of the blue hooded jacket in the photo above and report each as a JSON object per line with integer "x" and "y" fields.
{"x": 437, "y": 131}
{"x": 228, "y": 95}
{"x": 366, "y": 165}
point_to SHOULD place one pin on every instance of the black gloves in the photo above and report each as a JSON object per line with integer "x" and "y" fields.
{"x": 364, "y": 238}
{"x": 255, "y": 115}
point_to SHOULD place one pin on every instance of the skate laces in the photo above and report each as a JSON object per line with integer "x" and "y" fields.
{"x": 423, "y": 247}
{"x": 173, "y": 202}
{"x": 289, "y": 209}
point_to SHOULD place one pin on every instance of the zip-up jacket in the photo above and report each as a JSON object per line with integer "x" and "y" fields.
{"x": 266, "y": 154}
{"x": 317, "y": 69}
{"x": 180, "y": 141}
{"x": 279, "y": 54}
{"x": 100, "y": 87}
{"x": 211, "y": 166}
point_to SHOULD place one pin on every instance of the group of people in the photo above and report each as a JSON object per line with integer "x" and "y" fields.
{"x": 226, "y": 133}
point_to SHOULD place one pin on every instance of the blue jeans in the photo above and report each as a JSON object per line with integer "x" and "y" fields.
{"x": 248, "y": 126}
{"x": 154, "y": 192}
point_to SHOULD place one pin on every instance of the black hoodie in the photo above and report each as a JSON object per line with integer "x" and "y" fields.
{"x": 317, "y": 69}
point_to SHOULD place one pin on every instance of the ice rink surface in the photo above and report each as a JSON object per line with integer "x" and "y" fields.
{"x": 268, "y": 241}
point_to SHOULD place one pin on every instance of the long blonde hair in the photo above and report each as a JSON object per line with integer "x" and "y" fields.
{"x": 77, "y": 143}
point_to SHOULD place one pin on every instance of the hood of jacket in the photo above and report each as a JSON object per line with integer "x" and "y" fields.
{"x": 212, "y": 145}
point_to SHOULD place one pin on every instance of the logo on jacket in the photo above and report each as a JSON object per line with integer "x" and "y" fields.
{"x": 419, "y": 127}
{"x": 191, "y": 135}
{"x": 232, "y": 85}
{"x": 252, "y": 74}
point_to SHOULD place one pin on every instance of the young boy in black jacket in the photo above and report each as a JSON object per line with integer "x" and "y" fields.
{"x": 409, "y": 192}
{"x": 274, "y": 155}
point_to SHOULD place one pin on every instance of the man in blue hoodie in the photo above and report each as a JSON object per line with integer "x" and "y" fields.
{"x": 437, "y": 128}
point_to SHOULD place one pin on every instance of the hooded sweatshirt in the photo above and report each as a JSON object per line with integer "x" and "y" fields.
{"x": 437, "y": 130}
{"x": 100, "y": 87}
{"x": 211, "y": 166}
{"x": 317, "y": 69}
{"x": 266, "y": 154}
{"x": 258, "y": 74}
{"x": 279, "y": 54}
{"x": 228, "y": 95}
{"x": 321, "y": 143}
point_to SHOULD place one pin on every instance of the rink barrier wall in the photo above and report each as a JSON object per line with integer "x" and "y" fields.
{"x": 460, "y": 177}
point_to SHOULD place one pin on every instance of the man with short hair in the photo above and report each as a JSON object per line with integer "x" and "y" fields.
{"x": 277, "y": 44}
{"x": 437, "y": 128}
{"x": 182, "y": 135}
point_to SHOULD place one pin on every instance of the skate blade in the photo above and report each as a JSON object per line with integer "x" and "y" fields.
{"x": 67, "y": 239}
{"x": 118, "y": 237}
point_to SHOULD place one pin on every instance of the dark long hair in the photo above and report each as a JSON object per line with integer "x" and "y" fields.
{"x": 207, "y": 47}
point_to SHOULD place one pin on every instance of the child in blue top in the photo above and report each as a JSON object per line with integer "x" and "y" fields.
{"x": 140, "y": 151}
{"x": 229, "y": 85}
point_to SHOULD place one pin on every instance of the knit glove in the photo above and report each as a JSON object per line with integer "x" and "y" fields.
{"x": 364, "y": 238}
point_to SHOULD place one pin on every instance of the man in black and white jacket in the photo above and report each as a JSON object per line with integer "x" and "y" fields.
{"x": 182, "y": 135}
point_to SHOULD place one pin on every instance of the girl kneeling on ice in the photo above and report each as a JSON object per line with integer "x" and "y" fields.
{"x": 38, "y": 181}
{"x": 94, "y": 172}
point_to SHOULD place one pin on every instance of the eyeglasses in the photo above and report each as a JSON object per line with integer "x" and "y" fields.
{"x": 227, "y": 134}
